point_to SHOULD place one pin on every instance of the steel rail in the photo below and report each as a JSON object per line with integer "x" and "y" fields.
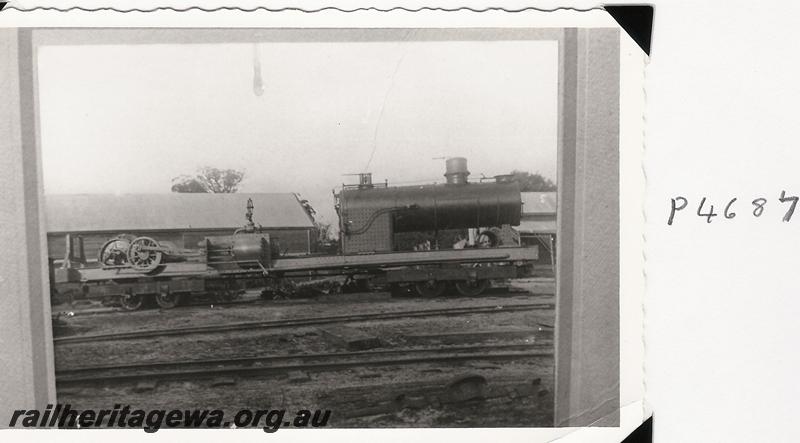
{"x": 310, "y": 362}
{"x": 273, "y": 358}
{"x": 270, "y": 324}
{"x": 205, "y": 300}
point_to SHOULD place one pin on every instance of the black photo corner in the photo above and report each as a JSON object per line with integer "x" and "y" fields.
{"x": 642, "y": 434}
{"x": 636, "y": 20}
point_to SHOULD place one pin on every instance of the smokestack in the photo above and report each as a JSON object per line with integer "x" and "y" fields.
{"x": 456, "y": 171}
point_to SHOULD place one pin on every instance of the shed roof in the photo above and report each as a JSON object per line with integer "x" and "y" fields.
{"x": 539, "y": 203}
{"x": 537, "y": 227}
{"x": 110, "y": 212}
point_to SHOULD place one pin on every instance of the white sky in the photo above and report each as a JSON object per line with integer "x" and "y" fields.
{"x": 127, "y": 119}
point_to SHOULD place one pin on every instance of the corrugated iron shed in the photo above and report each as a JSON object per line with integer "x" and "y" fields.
{"x": 539, "y": 203}
{"x": 140, "y": 212}
{"x": 538, "y": 213}
{"x": 537, "y": 227}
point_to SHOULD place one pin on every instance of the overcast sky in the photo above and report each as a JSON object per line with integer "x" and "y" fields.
{"x": 127, "y": 119}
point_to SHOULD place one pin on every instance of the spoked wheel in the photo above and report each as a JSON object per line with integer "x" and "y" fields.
{"x": 399, "y": 291}
{"x": 228, "y": 295}
{"x": 131, "y": 302}
{"x": 144, "y": 254}
{"x": 167, "y": 300}
{"x": 115, "y": 251}
{"x": 66, "y": 297}
{"x": 472, "y": 288}
{"x": 430, "y": 288}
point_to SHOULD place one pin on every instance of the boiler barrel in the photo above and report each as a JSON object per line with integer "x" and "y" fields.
{"x": 249, "y": 247}
{"x": 438, "y": 207}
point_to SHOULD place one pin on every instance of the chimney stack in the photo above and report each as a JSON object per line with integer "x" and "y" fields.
{"x": 456, "y": 171}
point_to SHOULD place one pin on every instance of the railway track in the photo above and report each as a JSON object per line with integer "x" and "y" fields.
{"x": 311, "y": 321}
{"x": 258, "y": 301}
{"x": 249, "y": 366}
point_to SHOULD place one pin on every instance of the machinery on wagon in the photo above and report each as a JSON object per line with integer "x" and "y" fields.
{"x": 247, "y": 248}
{"x": 424, "y": 238}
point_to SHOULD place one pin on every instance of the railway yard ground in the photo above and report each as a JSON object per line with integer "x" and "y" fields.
{"x": 374, "y": 360}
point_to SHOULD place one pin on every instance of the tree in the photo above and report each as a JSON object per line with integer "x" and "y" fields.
{"x": 208, "y": 179}
{"x": 533, "y": 182}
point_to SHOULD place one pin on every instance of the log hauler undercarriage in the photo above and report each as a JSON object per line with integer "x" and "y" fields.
{"x": 424, "y": 238}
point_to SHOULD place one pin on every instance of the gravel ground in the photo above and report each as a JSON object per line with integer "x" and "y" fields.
{"x": 220, "y": 314}
{"x": 519, "y": 392}
{"x": 286, "y": 342}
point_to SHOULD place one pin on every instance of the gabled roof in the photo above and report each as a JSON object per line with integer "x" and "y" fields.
{"x": 132, "y": 212}
{"x": 539, "y": 203}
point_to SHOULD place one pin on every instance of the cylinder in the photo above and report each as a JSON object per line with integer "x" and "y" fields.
{"x": 456, "y": 171}
{"x": 248, "y": 247}
{"x": 242, "y": 248}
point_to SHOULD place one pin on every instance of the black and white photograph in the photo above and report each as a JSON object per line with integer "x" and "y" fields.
{"x": 309, "y": 227}
{"x": 398, "y": 221}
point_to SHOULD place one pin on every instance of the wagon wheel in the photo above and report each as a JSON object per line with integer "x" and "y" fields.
{"x": 399, "y": 291}
{"x": 430, "y": 288}
{"x": 115, "y": 251}
{"x": 234, "y": 294}
{"x": 471, "y": 288}
{"x": 131, "y": 302}
{"x": 67, "y": 297}
{"x": 167, "y": 300}
{"x": 143, "y": 254}
{"x": 486, "y": 239}
{"x": 227, "y": 295}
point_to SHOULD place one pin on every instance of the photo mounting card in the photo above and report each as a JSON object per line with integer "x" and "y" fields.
{"x": 376, "y": 219}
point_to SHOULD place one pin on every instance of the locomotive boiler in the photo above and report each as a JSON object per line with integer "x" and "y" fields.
{"x": 371, "y": 214}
